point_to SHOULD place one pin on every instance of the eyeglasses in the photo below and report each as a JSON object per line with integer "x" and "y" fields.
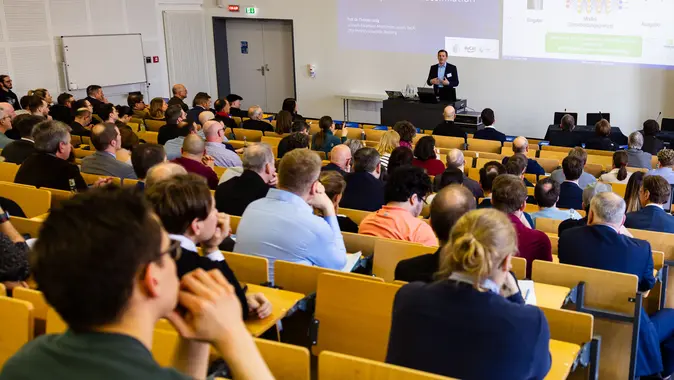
{"x": 174, "y": 250}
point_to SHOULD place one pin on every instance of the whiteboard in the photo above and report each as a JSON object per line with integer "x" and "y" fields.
{"x": 106, "y": 60}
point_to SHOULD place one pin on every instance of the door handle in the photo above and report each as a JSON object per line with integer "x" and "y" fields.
{"x": 266, "y": 67}
{"x": 261, "y": 70}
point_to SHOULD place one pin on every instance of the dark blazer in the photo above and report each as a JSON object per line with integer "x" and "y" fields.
{"x": 570, "y": 196}
{"x": 283, "y": 147}
{"x": 533, "y": 167}
{"x": 651, "y": 218}
{"x": 333, "y": 167}
{"x": 168, "y": 132}
{"x": 61, "y": 113}
{"x": 420, "y": 268}
{"x": 190, "y": 260}
{"x": 78, "y": 129}
{"x": 451, "y": 73}
{"x": 363, "y": 192}
{"x": 490, "y": 134}
{"x": 227, "y": 121}
{"x": 17, "y": 151}
{"x": 176, "y": 100}
{"x": 601, "y": 143}
{"x": 47, "y": 170}
{"x": 451, "y": 329}
{"x": 652, "y": 145}
{"x": 571, "y": 223}
{"x": 238, "y": 112}
{"x": 468, "y": 182}
{"x": 565, "y": 138}
{"x": 11, "y": 98}
{"x": 95, "y": 104}
{"x": 448, "y": 128}
{"x": 233, "y": 196}
{"x": 257, "y": 125}
{"x": 194, "y": 113}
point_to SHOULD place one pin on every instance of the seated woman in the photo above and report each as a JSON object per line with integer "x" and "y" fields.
{"x": 14, "y": 268}
{"x": 652, "y": 144}
{"x": 158, "y": 107}
{"x": 425, "y": 156}
{"x": 325, "y": 139}
{"x": 464, "y": 325}
{"x": 602, "y": 140}
{"x": 407, "y": 131}
{"x": 284, "y": 121}
{"x": 619, "y": 173}
{"x": 632, "y": 192}
{"x": 290, "y": 105}
{"x": 389, "y": 141}
{"x": 399, "y": 157}
{"x": 335, "y": 184}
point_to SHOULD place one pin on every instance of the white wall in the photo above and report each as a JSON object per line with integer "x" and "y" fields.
{"x": 524, "y": 95}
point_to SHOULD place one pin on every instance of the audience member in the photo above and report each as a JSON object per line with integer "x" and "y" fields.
{"x": 399, "y": 157}
{"x": 614, "y": 252}
{"x": 487, "y": 182}
{"x": 201, "y": 103}
{"x": 448, "y": 205}
{"x": 407, "y": 131}
{"x": 521, "y": 146}
{"x": 619, "y": 173}
{"x": 83, "y": 103}
{"x": 637, "y": 158}
{"x": 447, "y": 127}
{"x": 298, "y": 138}
{"x": 450, "y": 176}
{"x": 19, "y": 150}
{"x": 43, "y": 94}
{"x": 108, "y": 113}
{"x": 158, "y": 107}
{"x": 144, "y": 158}
{"x": 6, "y": 93}
{"x": 205, "y": 117}
{"x": 235, "y": 106}
{"x": 547, "y": 195}
{"x": 163, "y": 171}
{"x": 566, "y": 137}
{"x": 62, "y": 110}
{"x": 509, "y": 195}
{"x": 364, "y": 190}
{"x": 195, "y": 160}
{"x": 5, "y": 125}
{"x": 633, "y": 191}
{"x": 340, "y": 160}
{"x": 325, "y": 140}
{"x": 665, "y": 165}
{"x": 355, "y": 145}
{"x": 179, "y": 95}
{"x": 425, "y": 156}
{"x": 256, "y": 121}
{"x": 6, "y": 107}
{"x": 282, "y": 226}
{"x": 652, "y": 144}
{"x": 517, "y": 165}
{"x": 489, "y": 132}
{"x": 388, "y": 142}
{"x": 405, "y": 195}
{"x": 136, "y": 101}
{"x": 174, "y": 116}
{"x": 96, "y": 97}
{"x": 49, "y": 167}
{"x": 259, "y": 175}
{"x": 655, "y": 192}
{"x": 37, "y": 106}
{"x": 335, "y": 184}
{"x": 588, "y": 193}
{"x": 106, "y": 139}
{"x": 585, "y": 178}
{"x": 215, "y": 147}
{"x": 222, "y": 110}
{"x": 14, "y": 266}
{"x": 129, "y": 138}
{"x": 456, "y": 160}
{"x": 474, "y": 293}
{"x": 602, "y": 140}
{"x": 570, "y": 192}
{"x": 284, "y": 122}
{"x": 290, "y": 105}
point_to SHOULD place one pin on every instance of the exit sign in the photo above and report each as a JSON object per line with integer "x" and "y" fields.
{"x": 250, "y": 10}
{"x": 233, "y": 8}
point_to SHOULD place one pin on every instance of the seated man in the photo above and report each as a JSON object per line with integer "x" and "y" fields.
{"x": 364, "y": 190}
{"x": 588, "y": 193}
{"x": 521, "y": 146}
{"x": 447, "y": 207}
{"x": 340, "y": 160}
{"x": 637, "y": 158}
{"x": 456, "y": 160}
{"x": 547, "y": 194}
{"x": 111, "y": 323}
{"x": 489, "y": 132}
{"x": 18, "y": 151}
{"x": 222, "y": 108}
{"x": 202, "y": 102}
{"x": 256, "y": 122}
{"x": 517, "y": 166}
{"x": 195, "y": 160}
{"x": 163, "y": 171}
{"x": 447, "y": 127}
{"x": 235, "y": 105}
{"x": 179, "y": 95}
{"x": 405, "y": 194}
{"x": 599, "y": 245}
{"x": 187, "y": 210}
{"x": 655, "y": 192}
{"x": 566, "y": 137}
{"x": 510, "y": 196}
{"x": 585, "y": 178}
{"x": 174, "y": 116}
{"x": 215, "y": 147}
{"x": 107, "y": 140}
{"x": 80, "y": 125}
{"x": 144, "y": 157}
{"x": 570, "y": 192}
{"x": 259, "y": 175}
{"x": 136, "y": 102}
{"x": 282, "y": 226}
{"x": 5, "y": 125}
{"x": 488, "y": 174}
{"x": 666, "y": 165}
{"x": 49, "y": 167}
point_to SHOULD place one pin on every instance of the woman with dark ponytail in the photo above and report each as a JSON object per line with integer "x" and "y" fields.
{"x": 619, "y": 174}
{"x": 466, "y": 324}
{"x": 325, "y": 139}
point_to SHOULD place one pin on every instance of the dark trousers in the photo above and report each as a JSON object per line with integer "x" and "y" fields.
{"x": 663, "y": 321}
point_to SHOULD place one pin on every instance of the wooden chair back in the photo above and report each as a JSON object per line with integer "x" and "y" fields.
{"x": 219, "y": 170}
{"x": 58, "y": 196}
{"x": 595, "y": 152}
{"x": 662, "y": 242}
{"x": 356, "y": 215}
{"x": 3, "y": 290}
{"x": 594, "y": 169}
{"x": 334, "y": 366}
{"x": 55, "y": 325}
{"x": 154, "y": 125}
{"x": 553, "y": 155}
{"x": 149, "y": 137}
{"x": 32, "y": 201}
{"x": 16, "y": 319}
{"x": 26, "y": 226}
{"x": 551, "y": 148}
{"x": 81, "y": 153}
{"x": 249, "y": 134}
{"x": 248, "y": 268}
{"x": 388, "y": 253}
{"x": 40, "y": 306}
{"x": 271, "y": 141}
{"x": 548, "y": 225}
{"x": 619, "y": 188}
{"x": 342, "y": 300}
{"x": 548, "y": 164}
{"x": 448, "y": 142}
{"x": 373, "y": 134}
{"x": 90, "y": 179}
{"x": 604, "y": 161}
{"x": 490, "y": 156}
{"x": 519, "y": 267}
{"x": 8, "y": 171}
{"x": 359, "y": 243}
{"x": 303, "y": 279}
{"x": 484, "y": 145}
{"x": 571, "y": 327}
{"x": 353, "y": 133}
{"x": 234, "y": 223}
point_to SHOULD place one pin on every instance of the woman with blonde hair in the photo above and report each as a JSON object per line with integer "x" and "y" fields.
{"x": 389, "y": 141}
{"x": 464, "y": 325}
{"x": 43, "y": 93}
{"x": 158, "y": 107}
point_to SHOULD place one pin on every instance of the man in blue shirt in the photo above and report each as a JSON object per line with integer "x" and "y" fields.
{"x": 547, "y": 194}
{"x": 585, "y": 179}
{"x": 282, "y": 226}
{"x": 666, "y": 163}
{"x": 443, "y": 76}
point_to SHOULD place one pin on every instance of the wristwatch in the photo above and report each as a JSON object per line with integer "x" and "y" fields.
{"x": 4, "y": 216}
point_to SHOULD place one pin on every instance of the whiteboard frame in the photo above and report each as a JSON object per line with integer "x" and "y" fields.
{"x": 65, "y": 60}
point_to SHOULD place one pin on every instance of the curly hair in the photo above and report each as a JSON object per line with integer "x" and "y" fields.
{"x": 406, "y": 181}
{"x": 406, "y": 130}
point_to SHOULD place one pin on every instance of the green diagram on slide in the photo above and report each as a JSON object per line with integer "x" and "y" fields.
{"x": 594, "y": 44}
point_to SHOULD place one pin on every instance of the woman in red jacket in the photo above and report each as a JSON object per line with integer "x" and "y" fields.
{"x": 426, "y": 157}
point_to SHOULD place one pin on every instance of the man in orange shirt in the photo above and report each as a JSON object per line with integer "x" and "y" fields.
{"x": 405, "y": 196}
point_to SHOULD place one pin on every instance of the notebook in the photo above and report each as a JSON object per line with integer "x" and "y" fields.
{"x": 352, "y": 260}
{"x": 528, "y": 293}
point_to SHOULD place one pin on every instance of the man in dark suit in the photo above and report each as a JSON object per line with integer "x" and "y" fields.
{"x": 235, "y": 106}
{"x": 489, "y": 133}
{"x": 82, "y": 120}
{"x": 256, "y": 122}
{"x": 570, "y": 193}
{"x": 521, "y": 146}
{"x": 599, "y": 245}
{"x": 588, "y": 193}
{"x": 456, "y": 160}
{"x": 602, "y": 140}
{"x": 174, "y": 116}
{"x": 450, "y": 204}
{"x": 447, "y": 127}
{"x": 202, "y": 102}
{"x": 364, "y": 190}
{"x": 655, "y": 192}
{"x": 488, "y": 174}
{"x": 222, "y": 110}
{"x": 96, "y": 97}
{"x": 179, "y": 96}
{"x": 443, "y": 77}
{"x": 108, "y": 141}
{"x": 17, "y": 151}
{"x": 259, "y": 174}
{"x": 340, "y": 160}
{"x": 566, "y": 137}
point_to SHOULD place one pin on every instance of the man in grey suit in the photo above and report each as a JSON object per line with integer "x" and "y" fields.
{"x": 637, "y": 158}
{"x": 106, "y": 139}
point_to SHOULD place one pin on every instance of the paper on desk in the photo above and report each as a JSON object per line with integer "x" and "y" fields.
{"x": 528, "y": 293}
{"x": 351, "y": 261}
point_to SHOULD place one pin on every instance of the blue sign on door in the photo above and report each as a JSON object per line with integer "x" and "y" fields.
{"x": 244, "y": 47}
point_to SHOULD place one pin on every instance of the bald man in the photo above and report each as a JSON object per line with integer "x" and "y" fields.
{"x": 256, "y": 122}
{"x": 179, "y": 95}
{"x": 450, "y": 204}
{"x": 163, "y": 171}
{"x": 521, "y": 146}
{"x": 340, "y": 160}
{"x": 455, "y": 160}
{"x": 447, "y": 127}
{"x": 195, "y": 160}
{"x": 215, "y": 147}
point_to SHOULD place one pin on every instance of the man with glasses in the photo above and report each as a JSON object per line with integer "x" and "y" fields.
{"x": 405, "y": 196}
{"x": 6, "y": 93}
{"x": 215, "y": 147}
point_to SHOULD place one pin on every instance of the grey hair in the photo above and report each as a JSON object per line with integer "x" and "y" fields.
{"x": 48, "y": 135}
{"x": 256, "y": 156}
{"x": 608, "y": 208}
{"x": 354, "y": 145}
{"x": 636, "y": 140}
{"x": 256, "y": 112}
{"x": 455, "y": 158}
{"x": 594, "y": 189}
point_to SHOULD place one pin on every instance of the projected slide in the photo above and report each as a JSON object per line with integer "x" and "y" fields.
{"x": 465, "y": 28}
{"x": 616, "y": 31}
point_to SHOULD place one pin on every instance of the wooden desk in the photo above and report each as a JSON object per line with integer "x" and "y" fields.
{"x": 550, "y": 296}
{"x": 563, "y": 355}
{"x": 281, "y": 301}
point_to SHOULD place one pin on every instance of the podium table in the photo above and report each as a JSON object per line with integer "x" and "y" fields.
{"x": 422, "y": 115}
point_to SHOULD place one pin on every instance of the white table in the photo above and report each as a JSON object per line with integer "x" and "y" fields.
{"x": 346, "y": 97}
